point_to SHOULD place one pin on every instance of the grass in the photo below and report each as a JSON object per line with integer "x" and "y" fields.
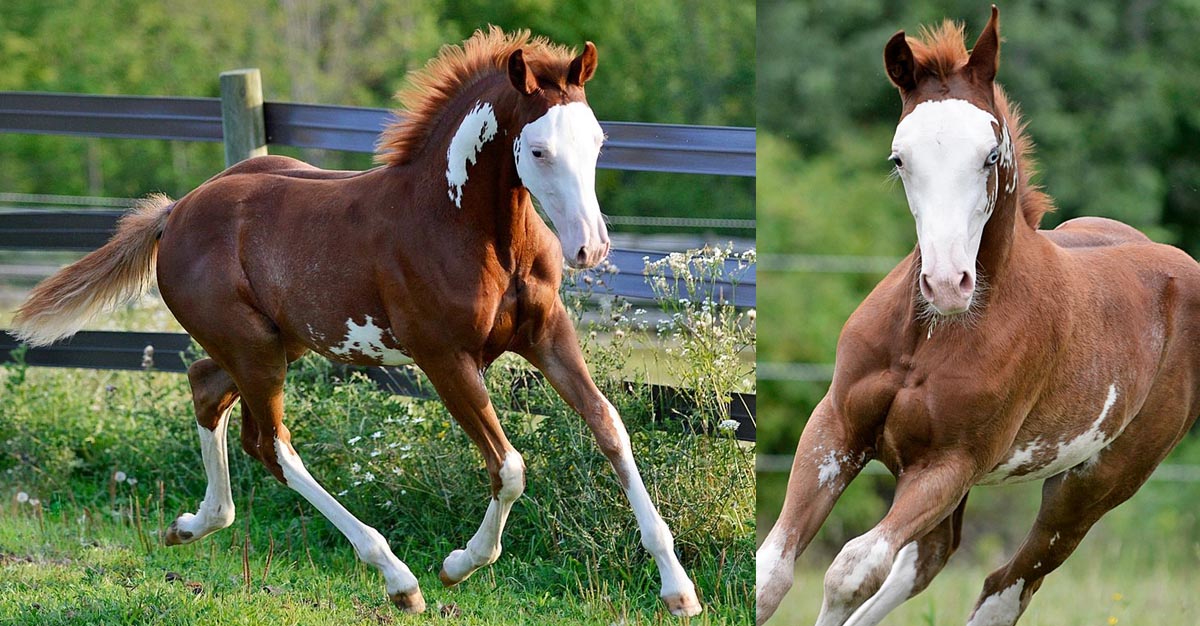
{"x": 1138, "y": 565}
{"x": 1090, "y": 589}
{"x": 60, "y": 570}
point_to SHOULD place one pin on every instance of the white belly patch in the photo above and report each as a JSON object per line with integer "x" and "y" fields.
{"x": 366, "y": 341}
{"x": 1041, "y": 459}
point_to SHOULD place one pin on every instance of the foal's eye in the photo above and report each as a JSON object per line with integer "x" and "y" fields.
{"x": 992, "y": 157}
{"x": 895, "y": 160}
{"x": 537, "y": 154}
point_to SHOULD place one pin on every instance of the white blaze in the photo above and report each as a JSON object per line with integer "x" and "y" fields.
{"x": 476, "y": 129}
{"x": 556, "y": 159}
{"x": 944, "y": 147}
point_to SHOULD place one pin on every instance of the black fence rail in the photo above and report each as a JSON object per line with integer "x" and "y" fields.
{"x": 719, "y": 150}
{"x": 630, "y": 146}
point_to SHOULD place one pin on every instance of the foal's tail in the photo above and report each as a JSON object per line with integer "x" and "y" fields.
{"x": 119, "y": 271}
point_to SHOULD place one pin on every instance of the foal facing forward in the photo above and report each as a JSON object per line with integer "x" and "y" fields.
{"x": 436, "y": 256}
{"x": 1079, "y": 364}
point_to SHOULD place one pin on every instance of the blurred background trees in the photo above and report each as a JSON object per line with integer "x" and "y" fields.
{"x": 660, "y": 61}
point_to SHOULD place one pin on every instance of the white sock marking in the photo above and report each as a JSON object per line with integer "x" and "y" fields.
{"x": 216, "y": 510}
{"x": 895, "y": 590}
{"x": 484, "y": 548}
{"x": 369, "y": 544}
{"x": 477, "y": 128}
{"x": 1001, "y": 609}
{"x": 656, "y": 537}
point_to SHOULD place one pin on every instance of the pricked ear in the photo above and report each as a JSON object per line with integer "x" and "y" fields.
{"x": 985, "y": 56}
{"x": 583, "y": 66}
{"x": 899, "y": 63}
{"x": 519, "y": 73}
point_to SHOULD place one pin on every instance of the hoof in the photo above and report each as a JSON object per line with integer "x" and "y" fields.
{"x": 175, "y": 537}
{"x": 408, "y": 601}
{"x": 682, "y": 604}
{"x": 446, "y": 580}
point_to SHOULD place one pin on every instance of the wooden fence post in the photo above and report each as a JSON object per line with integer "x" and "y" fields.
{"x": 242, "y": 115}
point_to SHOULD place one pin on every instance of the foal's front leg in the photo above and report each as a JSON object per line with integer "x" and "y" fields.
{"x": 558, "y": 356}
{"x": 459, "y": 382}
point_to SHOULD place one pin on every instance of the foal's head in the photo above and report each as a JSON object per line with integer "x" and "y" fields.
{"x": 556, "y": 153}
{"x": 953, "y": 151}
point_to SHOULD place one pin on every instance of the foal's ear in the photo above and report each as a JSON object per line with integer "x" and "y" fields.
{"x": 985, "y": 56}
{"x": 519, "y": 73}
{"x": 583, "y": 66}
{"x": 898, "y": 60}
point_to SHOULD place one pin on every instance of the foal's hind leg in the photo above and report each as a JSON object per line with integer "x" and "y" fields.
{"x": 559, "y": 358}
{"x": 259, "y": 369}
{"x": 1071, "y": 503}
{"x": 213, "y": 394}
{"x": 457, "y": 380}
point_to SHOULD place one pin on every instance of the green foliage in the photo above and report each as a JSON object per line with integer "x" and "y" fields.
{"x": 1109, "y": 94}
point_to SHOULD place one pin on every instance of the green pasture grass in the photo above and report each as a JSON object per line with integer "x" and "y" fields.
{"x": 1101, "y": 584}
{"x": 1140, "y": 564}
{"x": 64, "y": 567}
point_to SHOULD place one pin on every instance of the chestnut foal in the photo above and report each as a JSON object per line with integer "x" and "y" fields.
{"x": 1079, "y": 364}
{"x": 437, "y": 256}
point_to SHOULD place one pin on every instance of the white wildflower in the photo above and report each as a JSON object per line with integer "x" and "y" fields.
{"x": 369, "y": 477}
{"x": 354, "y": 440}
{"x": 119, "y": 476}
{"x": 355, "y": 468}
{"x": 22, "y": 497}
{"x": 728, "y": 425}
{"x": 377, "y": 434}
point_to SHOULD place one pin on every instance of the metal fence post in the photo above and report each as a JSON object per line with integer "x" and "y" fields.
{"x": 242, "y": 115}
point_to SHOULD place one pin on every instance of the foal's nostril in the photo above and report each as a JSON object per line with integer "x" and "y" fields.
{"x": 966, "y": 284}
{"x": 581, "y": 257}
{"x": 926, "y": 288}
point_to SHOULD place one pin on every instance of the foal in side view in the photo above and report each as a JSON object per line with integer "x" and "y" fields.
{"x": 436, "y": 256}
{"x": 1079, "y": 364}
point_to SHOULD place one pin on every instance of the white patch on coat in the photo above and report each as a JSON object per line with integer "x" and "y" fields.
{"x": 860, "y": 558}
{"x": 829, "y": 469}
{"x": 1000, "y": 609}
{"x": 1064, "y": 455}
{"x": 369, "y": 544}
{"x": 477, "y": 128}
{"x": 367, "y": 340}
{"x": 895, "y": 590}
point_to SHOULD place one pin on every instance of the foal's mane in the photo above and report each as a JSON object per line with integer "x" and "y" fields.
{"x": 941, "y": 52}
{"x": 455, "y": 68}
